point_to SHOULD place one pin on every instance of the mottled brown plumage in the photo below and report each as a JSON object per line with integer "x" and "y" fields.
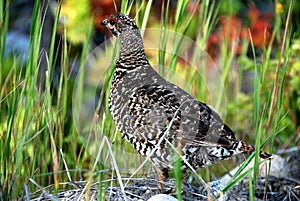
{"x": 155, "y": 115}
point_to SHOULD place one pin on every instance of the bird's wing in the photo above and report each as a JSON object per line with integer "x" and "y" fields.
{"x": 152, "y": 108}
{"x": 209, "y": 128}
{"x": 191, "y": 121}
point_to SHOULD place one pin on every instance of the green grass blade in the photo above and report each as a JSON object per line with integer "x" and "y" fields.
{"x": 4, "y": 16}
{"x": 146, "y": 17}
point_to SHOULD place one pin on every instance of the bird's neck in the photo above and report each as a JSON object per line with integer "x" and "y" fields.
{"x": 131, "y": 45}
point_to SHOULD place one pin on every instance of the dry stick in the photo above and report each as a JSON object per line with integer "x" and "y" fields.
{"x": 65, "y": 164}
{"x": 96, "y": 161}
{"x": 35, "y": 135}
{"x": 27, "y": 194}
{"x": 116, "y": 167}
{"x": 115, "y": 6}
{"x": 113, "y": 162}
{"x": 166, "y": 133}
{"x": 12, "y": 91}
{"x": 51, "y": 197}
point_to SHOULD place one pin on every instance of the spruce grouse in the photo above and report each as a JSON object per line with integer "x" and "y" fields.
{"x": 155, "y": 115}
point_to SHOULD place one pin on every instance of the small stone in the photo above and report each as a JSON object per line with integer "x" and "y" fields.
{"x": 162, "y": 197}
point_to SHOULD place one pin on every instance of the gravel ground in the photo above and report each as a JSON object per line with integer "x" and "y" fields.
{"x": 281, "y": 186}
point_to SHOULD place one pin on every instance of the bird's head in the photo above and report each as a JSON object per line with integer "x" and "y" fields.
{"x": 119, "y": 23}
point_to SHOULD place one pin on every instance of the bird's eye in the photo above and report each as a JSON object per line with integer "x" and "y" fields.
{"x": 112, "y": 22}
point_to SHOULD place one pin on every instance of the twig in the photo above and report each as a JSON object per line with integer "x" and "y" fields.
{"x": 96, "y": 161}
{"x": 51, "y": 197}
{"x": 27, "y": 194}
{"x": 65, "y": 164}
{"x": 116, "y": 167}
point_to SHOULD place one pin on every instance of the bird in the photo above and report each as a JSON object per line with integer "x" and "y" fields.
{"x": 159, "y": 119}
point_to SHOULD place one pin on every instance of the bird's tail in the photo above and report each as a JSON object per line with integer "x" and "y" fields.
{"x": 248, "y": 149}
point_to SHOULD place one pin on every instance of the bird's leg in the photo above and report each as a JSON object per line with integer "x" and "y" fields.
{"x": 186, "y": 184}
{"x": 185, "y": 175}
{"x": 162, "y": 175}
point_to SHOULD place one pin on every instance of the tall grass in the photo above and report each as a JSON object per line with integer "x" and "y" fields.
{"x": 36, "y": 124}
{"x": 33, "y": 122}
{"x": 267, "y": 124}
{"x": 4, "y": 14}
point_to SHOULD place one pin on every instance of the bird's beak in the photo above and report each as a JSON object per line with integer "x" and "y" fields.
{"x": 104, "y": 22}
